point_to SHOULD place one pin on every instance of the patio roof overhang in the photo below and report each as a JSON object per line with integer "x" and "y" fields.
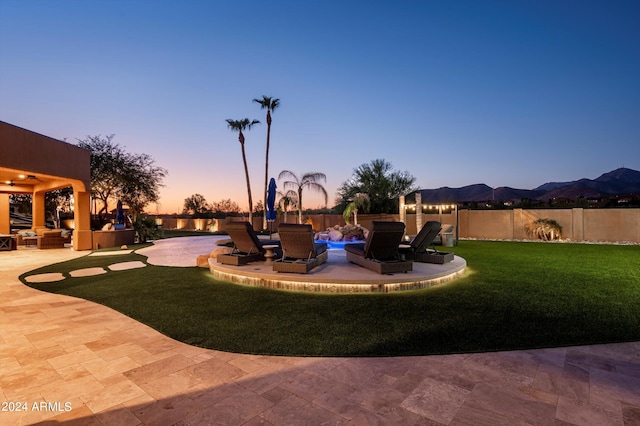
{"x": 31, "y": 163}
{"x": 34, "y": 162}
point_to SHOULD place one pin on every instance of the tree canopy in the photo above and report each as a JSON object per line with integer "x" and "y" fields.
{"x": 116, "y": 174}
{"x": 380, "y": 182}
{"x": 196, "y": 204}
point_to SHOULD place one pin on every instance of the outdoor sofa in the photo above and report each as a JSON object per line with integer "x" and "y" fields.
{"x": 380, "y": 251}
{"x": 300, "y": 253}
{"x": 44, "y": 237}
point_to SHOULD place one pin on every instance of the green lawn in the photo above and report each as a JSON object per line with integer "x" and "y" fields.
{"x": 514, "y": 296}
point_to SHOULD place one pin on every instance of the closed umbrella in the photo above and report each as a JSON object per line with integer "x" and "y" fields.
{"x": 119, "y": 213}
{"x": 271, "y": 203}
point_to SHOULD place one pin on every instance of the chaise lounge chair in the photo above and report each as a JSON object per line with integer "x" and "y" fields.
{"x": 421, "y": 242}
{"x": 246, "y": 245}
{"x": 300, "y": 253}
{"x": 380, "y": 251}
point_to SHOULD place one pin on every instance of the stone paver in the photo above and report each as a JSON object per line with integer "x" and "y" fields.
{"x": 87, "y": 272}
{"x": 64, "y": 359}
{"x": 45, "y": 278}
{"x": 123, "y": 266}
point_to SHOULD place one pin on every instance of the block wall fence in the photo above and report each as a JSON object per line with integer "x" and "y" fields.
{"x": 599, "y": 225}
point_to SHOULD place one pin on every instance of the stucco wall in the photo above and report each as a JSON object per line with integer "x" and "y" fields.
{"x": 614, "y": 225}
{"x": 26, "y": 150}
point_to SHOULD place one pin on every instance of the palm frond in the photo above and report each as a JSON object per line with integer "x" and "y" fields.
{"x": 314, "y": 177}
{"x": 239, "y": 125}
{"x": 267, "y": 102}
{"x": 318, "y": 188}
{"x": 287, "y": 173}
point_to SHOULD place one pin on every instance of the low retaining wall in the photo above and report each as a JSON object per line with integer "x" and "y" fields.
{"x": 116, "y": 238}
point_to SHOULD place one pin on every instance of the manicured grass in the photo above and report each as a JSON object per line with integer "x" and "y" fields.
{"x": 514, "y": 296}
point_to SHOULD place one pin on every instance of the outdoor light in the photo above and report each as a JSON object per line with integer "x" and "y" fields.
{"x": 453, "y": 208}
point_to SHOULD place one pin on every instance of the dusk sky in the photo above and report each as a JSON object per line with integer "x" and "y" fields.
{"x": 506, "y": 93}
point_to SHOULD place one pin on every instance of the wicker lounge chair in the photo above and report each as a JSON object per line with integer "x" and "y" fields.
{"x": 420, "y": 244}
{"x": 300, "y": 253}
{"x": 246, "y": 245}
{"x": 380, "y": 251}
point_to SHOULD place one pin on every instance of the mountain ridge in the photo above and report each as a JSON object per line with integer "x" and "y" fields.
{"x": 621, "y": 181}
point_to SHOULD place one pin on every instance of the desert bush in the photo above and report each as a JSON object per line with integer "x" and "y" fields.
{"x": 545, "y": 229}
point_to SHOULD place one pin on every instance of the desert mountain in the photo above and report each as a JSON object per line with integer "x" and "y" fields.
{"x": 617, "y": 182}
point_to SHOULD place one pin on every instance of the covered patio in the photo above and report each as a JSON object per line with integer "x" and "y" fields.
{"x": 31, "y": 163}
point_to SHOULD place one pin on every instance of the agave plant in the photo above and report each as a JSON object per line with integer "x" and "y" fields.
{"x": 545, "y": 229}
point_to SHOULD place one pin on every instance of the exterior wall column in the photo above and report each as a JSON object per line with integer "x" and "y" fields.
{"x": 403, "y": 210}
{"x": 418, "y": 211}
{"x": 577, "y": 225}
{"x": 519, "y": 228}
{"x": 5, "y": 218}
{"x": 37, "y": 209}
{"x": 82, "y": 237}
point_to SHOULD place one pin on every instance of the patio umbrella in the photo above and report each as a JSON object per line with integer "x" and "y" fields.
{"x": 271, "y": 203}
{"x": 119, "y": 213}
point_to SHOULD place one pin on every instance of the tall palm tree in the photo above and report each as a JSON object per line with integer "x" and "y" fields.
{"x": 269, "y": 104}
{"x": 239, "y": 126}
{"x": 308, "y": 180}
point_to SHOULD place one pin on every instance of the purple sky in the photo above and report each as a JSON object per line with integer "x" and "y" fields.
{"x": 455, "y": 92}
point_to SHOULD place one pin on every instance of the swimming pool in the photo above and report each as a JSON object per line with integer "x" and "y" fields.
{"x": 339, "y": 245}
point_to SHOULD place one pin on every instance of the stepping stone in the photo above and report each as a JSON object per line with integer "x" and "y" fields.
{"x": 87, "y": 272}
{"x": 122, "y": 266}
{"x": 44, "y": 278}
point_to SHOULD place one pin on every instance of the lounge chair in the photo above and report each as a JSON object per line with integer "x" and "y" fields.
{"x": 380, "y": 251}
{"x": 246, "y": 245}
{"x": 441, "y": 237}
{"x": 422, "y": 241}
{"x": 418, "y": 250}
{"x": 300, "y": 253}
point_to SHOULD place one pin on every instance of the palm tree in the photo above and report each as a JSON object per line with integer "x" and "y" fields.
{"x": 308, "y": 180}
{"x": 239, "y": 126}
{"x": 359, "y": 201}
{"x": 270, "y": 105}
{"x": 287, "y": 199}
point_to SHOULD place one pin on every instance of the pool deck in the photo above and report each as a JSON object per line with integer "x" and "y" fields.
{"x": 338, "y": 275}
{"x": 65, "y": 359}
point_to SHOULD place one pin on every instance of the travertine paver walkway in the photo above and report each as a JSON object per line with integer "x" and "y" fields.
{"x": 66, "y": 359}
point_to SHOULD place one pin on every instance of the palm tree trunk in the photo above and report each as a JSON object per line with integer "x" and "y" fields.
{"x": 246, "y": 173}
{"x": 266, "y": 171}
{"x": 300, "y": 206}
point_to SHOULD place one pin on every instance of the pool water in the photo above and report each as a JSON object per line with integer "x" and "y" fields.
{"x": 339, "y": 245}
